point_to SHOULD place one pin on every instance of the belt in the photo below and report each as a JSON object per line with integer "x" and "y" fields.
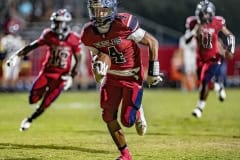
{"x": 125, "y": 73}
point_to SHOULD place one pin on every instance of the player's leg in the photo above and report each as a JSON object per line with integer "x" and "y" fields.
{"x": 15, "y": 75}
{"x": 207, "y": 73}
{"x": 6, "y": 77}
{"x": 132, "y": 110}
{"x": 55, "y": 88}
{"x": 36, "y": 93}
{"x": 220, "y": 77}
{"x": 110, "y": 99}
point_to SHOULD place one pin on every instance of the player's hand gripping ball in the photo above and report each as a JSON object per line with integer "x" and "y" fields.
{"x": 101, "y": 64}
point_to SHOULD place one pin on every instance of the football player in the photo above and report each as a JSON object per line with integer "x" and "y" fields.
{"x": 117, "y": 35}
{"x": 205, "y": 26}
{"x": 10, "y": 43}
{"x": 59, "y": 66}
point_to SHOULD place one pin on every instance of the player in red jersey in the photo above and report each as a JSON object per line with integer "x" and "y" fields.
{"x": 205, "y": 26}
{"x": 117, "y": 35}
{"x": 59, "y": 66}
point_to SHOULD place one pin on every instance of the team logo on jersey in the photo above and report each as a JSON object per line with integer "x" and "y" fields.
{"x": 108, "y": 43}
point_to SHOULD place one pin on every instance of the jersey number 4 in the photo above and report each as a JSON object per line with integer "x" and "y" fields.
{"x": 116, "y": 55}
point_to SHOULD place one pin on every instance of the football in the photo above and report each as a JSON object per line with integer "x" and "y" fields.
{"x": 103, "y": 58}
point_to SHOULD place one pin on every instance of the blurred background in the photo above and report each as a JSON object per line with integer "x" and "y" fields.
{"x": 164, "y": 19}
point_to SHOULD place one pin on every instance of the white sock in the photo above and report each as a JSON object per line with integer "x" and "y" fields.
{"x": 201, "y": 104}
{"x": 217, "y": 87}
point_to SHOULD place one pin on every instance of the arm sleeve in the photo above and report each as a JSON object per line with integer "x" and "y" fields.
{"x": 137, "y": 36}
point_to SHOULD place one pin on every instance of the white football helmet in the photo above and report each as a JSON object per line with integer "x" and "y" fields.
{"x": 60, "y": 23}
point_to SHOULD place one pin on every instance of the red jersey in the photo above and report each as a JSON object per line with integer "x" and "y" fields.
{"x": 60, "y": 54}
{"x": 124, "y": 52}
{"x": 207, "y": 37}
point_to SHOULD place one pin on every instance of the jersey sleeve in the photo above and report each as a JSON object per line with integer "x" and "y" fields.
{"x": 191, "y": 22}
{"x": 42, "y": 39}
{"x": 76, "y": 43}
{"x": 84, "y": 36}
{"x": 130, "y": 21}
{"x": 138, "y": 35}
{"x": 220, "y": 22}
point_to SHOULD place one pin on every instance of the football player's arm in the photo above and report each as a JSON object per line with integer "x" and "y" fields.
{"x": 152, "y": 43}
{"x": 99, "y": 68}
{"x": 22, "y": 52}
{"x": 230, "y": 41}
{"x": 77, "y": 58}
{"x": 143, "y": 37}
{"x": 68, "y": 78}
{"x": 190, "y": 33}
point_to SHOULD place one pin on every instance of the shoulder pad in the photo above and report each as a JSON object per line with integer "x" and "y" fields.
{"x": 220, "y": 19}
{"x": 191, "y": 22}
{"x": 129, "y": 20}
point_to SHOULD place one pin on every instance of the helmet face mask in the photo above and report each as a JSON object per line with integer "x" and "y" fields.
{"x": 205, "y": 11}
{"x": 60, "y": 23}
{"x": 102, "y": 12}
{"x": 59, "y": 27}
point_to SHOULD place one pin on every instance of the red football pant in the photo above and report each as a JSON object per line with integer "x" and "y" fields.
{"x": 131, "y": 97}
{"x": 47, "y": 88}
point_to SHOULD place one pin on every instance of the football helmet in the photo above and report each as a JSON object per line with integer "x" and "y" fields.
{"x": 60, "y": 23}
{"x": 204, "y": 12}
{"x": 102, "y": 12}
{"x": 12, "y": 27}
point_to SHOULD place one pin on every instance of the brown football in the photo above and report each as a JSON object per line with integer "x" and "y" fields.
{"x": 104, "y": 58}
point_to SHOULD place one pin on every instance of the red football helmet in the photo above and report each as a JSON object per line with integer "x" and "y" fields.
{"x": 12, "y": 27}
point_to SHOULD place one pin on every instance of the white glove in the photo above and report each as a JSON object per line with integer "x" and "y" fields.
{"x": 12, "y": 60}
{"x": 154, "y": 80}
{"x": 68, "y": 80}
{"x": 100, "y": 70}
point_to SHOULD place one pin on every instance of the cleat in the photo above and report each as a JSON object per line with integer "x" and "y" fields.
{"x": 141, "y": 124}
{"x": 197, "y": 112}
{"x": 125, "y": 155}
{"x": 124, "y": 158}
{"x": 25, "y": 125}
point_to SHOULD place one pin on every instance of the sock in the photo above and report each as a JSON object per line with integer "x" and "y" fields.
{"x": 201, "y": 104}
{"x": 122, "y": 148}
{"x": 217, "y": 87}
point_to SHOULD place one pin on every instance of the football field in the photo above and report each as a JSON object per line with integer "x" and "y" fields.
{"x": 72, "y": 128}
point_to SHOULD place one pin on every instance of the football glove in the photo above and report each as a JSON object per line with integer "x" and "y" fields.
{"x": 68, "y": 80}
{"x": 154, "y": 76}
{"x": 154, "y": 80}
{"x": 12, "y": 60}
{"x": 100, "y": 71}
{"x": 231, "y": 43}
{"x": 100, "y": 67}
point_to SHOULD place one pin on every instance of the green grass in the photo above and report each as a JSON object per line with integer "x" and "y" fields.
{"x": 72, "y": 129}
